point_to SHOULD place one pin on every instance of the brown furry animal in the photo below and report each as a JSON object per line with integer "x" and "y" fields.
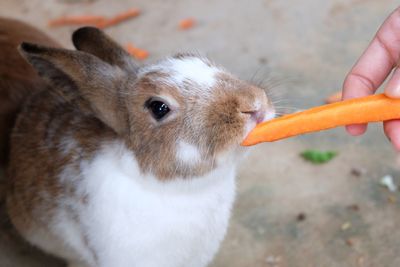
{"x": 119, "y": 165}
{"x": 17, "y": 78}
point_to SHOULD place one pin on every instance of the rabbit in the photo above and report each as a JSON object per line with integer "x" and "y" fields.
{"x": 17, "y": 78}
{"x": 119, "y": 165}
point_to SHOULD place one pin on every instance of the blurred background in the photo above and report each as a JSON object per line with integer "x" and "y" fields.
{"x": 288, "y": 212}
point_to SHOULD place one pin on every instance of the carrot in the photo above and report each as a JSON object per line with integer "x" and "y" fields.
{"x": 77, "y": 20}
{"x": 98, "y": 21}
{"x": 373, "y": 108}
{"x": 186, "y": 24}
{"x": 118, "y": 18}
{"x": 138, "y": 53}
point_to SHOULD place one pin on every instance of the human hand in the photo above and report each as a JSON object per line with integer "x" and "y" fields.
{"x": 371, "y": 70}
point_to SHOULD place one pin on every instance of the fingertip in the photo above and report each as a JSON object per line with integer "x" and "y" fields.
{"x": 357, "y": 129}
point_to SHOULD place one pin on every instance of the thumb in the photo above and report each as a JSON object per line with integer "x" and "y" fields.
{"x": 392, "y": 88}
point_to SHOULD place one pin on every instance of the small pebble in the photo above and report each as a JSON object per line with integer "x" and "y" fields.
{"x": 350, "y": 242}
{"x": 387, "y": 181}
{"x": 360, "y": 261}
{"x": 301, "y": 217}
{"x": 273, "y": 260}
{"x": 357, "y": 172}
{"x": 392, "y": 199}
{"x": 346, "y": 226}
{"x": 262, "y": 60}
{"x": 354, "y": 207}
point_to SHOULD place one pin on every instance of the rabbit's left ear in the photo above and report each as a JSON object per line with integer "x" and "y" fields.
{"x": 79, "y": 75}
{"x": 94, "y": 41}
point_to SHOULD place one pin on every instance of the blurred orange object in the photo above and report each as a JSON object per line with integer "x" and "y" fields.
{"x": 137, "y": 53}
{"x": 187, "y": 23}
{"x": 98, "y": 21}
{"x": 77, "y": 20}
{"x": 336, "y": 97}
{"x": 118, "y": 18}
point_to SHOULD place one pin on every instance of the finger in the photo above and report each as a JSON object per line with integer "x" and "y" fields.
{"x": 356, "y": 129}
{"x": 374, "y": 65}
{"x": 392, "y": 88}
{"x": 377, "y": 61}
{"x": 392, "y": 130}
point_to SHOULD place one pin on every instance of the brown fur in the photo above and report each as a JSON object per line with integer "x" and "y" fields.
{"x": 155, "y": 146}
{"x": 97, "y": 96}
{"x": 36, "y": 161}
{"x": 17, "y": 78}
{"x": 106, "y": 49}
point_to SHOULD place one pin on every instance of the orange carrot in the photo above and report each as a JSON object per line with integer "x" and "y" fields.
{"x": 373, "y": 108}
{"x": 99, "y": 21}
{"x": 336, "y": 97}
{"x": 186, "y": 23}
{"x": 138, "y": 53}
{"x": 77, "y": 20}
{"x": 119, "y": 18}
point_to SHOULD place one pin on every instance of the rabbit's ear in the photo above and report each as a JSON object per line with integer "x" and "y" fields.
{"x": 79, "y": 75}
{"x": 97, "y": 43}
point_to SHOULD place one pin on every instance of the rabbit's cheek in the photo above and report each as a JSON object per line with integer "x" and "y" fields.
{"x": 250, "y": 124}
{"x": 188, "y": 153}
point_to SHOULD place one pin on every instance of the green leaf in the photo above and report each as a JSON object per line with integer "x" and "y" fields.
{"x": 318, "y": 157}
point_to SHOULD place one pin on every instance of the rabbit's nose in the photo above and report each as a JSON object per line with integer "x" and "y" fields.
{"x": 257, "y": 116}
{"x": 260, "y": 115}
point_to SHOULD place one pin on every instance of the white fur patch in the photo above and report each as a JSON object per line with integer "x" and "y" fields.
{"x": 187, "y": 153}
{"x": 133, "y": 219}
{"x": 269, "y": 115}
{"x": 192, "y": 69}
{"x": 250, "y": 124}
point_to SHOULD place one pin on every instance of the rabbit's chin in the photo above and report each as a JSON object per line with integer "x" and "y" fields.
{"x": 232, "y": 156}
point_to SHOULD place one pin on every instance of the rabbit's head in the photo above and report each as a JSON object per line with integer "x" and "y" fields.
{"x": 181, "y": 117}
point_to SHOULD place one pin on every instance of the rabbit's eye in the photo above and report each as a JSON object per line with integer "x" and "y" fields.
{"x": 158, "y": 109}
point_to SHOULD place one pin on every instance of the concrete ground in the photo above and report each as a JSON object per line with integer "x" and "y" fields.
{"x": 288, "y": 212}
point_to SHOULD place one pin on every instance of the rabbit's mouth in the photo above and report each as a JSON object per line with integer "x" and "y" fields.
{"x": 256, "y": 118}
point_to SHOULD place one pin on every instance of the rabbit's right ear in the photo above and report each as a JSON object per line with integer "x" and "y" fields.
{"x": 79, "y": 75}
{"x": 94, "y": 41}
